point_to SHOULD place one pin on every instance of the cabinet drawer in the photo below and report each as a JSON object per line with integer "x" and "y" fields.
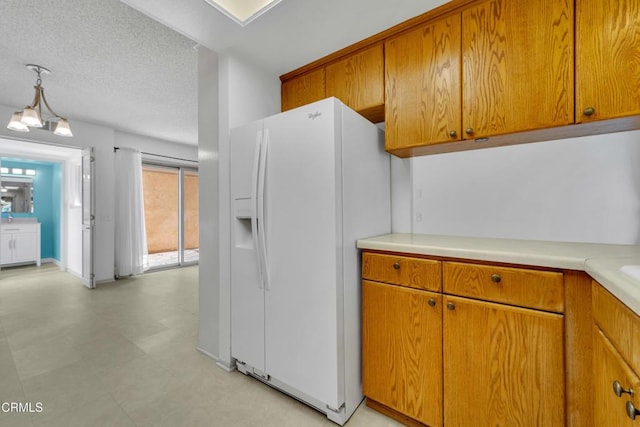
{"x": 22, "y": 228}
{"x": 400, "y": 270}
{"x": 619, "y": 324}
{"x": 526, "y": 288}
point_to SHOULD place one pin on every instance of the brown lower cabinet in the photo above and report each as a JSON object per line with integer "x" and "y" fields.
{"x": 609, "y": 368}
{"x": 402, "y": 350}
{"x": 616, "y": 362}
{"x": 503, "y": 365}
{"x": 431, "y": 358}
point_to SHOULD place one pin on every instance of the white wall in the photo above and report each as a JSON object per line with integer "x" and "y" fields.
{"x": 243, "y": 93}
{"x": 103, "y": 139}
{"x": 582, "y": 189}
{"x": 208, "y": 269}
{"x": 156, "y": 146}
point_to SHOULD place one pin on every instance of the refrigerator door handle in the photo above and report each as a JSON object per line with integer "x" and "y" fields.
{"x": 254, "y": 206}
{"x": 261, "y": 202}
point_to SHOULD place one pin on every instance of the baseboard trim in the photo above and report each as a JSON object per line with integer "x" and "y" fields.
{"x": 392, "y": 413}
{"x": 227, "y": 367}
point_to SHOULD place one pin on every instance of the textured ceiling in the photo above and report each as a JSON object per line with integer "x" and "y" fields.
{"x": 110, "y": 64}
{"x": 115, "y": 66}
{"x": 293, "y": 33}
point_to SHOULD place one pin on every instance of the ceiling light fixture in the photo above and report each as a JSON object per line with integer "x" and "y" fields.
{"x": 31, "y": 116}
{"x": 243, "y": 11}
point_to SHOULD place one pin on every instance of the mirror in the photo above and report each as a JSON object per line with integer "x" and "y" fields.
{"x": 17, "y": 194}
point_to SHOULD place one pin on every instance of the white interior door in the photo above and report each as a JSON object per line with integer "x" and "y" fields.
{"x": 88, "y": 216}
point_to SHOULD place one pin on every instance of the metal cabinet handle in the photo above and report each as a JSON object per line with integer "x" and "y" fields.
{"x": 432, "y": 302}
{"x": 495, "y": 278}
{"x": 469, "y": 131}
{"x": 589, "y": 111}
{"x": 632, "y": 412}
{"x": 451, "y": 306}
{"x": 453, "y": 133}
{"x": 396, "y": 265}
{"x": 618, "y": 390}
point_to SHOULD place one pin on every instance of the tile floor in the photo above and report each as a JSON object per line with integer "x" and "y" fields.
{"x": 124, "y": 355}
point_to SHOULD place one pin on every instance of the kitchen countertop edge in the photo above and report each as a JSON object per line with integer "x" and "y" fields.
{"x": 601, "y": 261}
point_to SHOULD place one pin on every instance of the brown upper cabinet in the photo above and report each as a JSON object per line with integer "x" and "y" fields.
{"x": 607, "y": 59}
{"x": 484, "y": 73}
{"x": 358, "y": 81}
{"x": 517, "y": 66}
{"x": 303, "y": 89}
{"x": 423, "y": 85}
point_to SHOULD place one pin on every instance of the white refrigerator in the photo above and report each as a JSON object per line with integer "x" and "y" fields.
{"x": 305, "y": 184}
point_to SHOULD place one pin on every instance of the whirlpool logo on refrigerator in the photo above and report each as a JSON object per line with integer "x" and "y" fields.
{"x": 315, "y": 115}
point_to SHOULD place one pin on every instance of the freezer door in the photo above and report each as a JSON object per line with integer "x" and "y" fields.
{"x": 302, "y": 231}
{"x": 247, "y": 290}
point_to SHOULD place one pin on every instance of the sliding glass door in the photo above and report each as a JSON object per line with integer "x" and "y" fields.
{"x": 190, "y": 208}
{"x": 171, "y": 215}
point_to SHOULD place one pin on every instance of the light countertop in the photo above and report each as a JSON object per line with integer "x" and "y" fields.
{"x": 600, "y": 261}
{"x": 19, "y": 220}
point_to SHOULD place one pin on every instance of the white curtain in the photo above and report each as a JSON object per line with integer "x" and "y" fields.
{"x": 131, "y": 255}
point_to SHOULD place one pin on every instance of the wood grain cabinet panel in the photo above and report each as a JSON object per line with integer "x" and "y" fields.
{"x": 607, "y": 59}
{"x": 402, "y": 350}
{"x": 609, "y": 366}
{"x": 358, "y": 81}
{"x": 422, "y": 72}
{"x": 542, "y": 290}
{"x": 400, "y": 270}
{"x": 304, "y": 89}
{"x": 518, "y": 66}
{"x": 503, "y": 366}
{"x": 619, "y": 323}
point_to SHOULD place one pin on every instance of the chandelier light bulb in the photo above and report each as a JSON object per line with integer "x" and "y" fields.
{"x": 63, "y": 129}
{"x": 31, "y": 118}
{"x": 16, "y": 124}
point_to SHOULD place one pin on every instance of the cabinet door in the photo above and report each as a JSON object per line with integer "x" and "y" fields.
{"x": 503, "y": 365}
{"x": 303, "y": 89}
{"x": 402, "y": 350}
{"x": 607, "y": 59}
{"x": 422, "y": 70}
{"x": 25, "y": 247}
{"x": 608, "y": 366}
{"x": 517, "y": 66}
{"x": 358, "y": 81}
{"x": 6, "y": 248}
